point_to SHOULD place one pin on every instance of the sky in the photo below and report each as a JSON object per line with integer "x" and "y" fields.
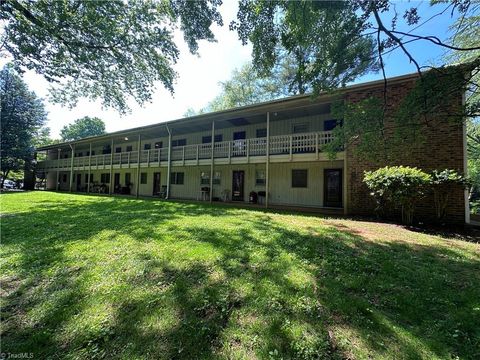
{"x": 199, "y": 75}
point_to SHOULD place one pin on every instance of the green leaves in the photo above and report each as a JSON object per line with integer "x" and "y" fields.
{"x": 82, "y": 128}
{"x": 109, "y": 50}
{"x": 22, "y": 116}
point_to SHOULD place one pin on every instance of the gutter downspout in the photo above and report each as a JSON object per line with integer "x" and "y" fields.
{"x": 139, "y": 158}
{"x": 167, "y": 195}
{"x": 212, "y": 158}
{"x": 71, "y": 167}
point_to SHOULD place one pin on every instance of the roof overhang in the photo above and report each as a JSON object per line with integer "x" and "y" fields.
{"x": 297, "y": 105}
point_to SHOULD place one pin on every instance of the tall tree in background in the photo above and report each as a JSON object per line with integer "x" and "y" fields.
{"x": 108, "y": 50}
{"x": 247, "y": 86}
{"x": 82, "y": 128}
{"x": 21, "y": 119}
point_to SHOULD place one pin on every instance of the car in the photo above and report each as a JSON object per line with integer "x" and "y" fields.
{"x": 9, "y": 184}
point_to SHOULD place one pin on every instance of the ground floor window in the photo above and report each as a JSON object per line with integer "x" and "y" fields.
{"x": 128, "y": 178}
{"x": 299, "y": 178}
{"x": 143, "y": 178}
{"x": 177, "y": 178}
{"x": 260, "y": 177}
{"x": 216, "y": 177}
{"x": 86, "y": 178}
{"x": 204, "y": 178}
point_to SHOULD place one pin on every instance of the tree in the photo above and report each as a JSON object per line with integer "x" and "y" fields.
{"x": 337, "y": 41}
{"x": 247, "y": 86}
{"x": 82, "y": 128}
{"x": 21, "y": 119}
{"x": 110, "y": 50}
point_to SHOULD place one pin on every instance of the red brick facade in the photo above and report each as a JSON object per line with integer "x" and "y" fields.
{"x": 442, "y": 148}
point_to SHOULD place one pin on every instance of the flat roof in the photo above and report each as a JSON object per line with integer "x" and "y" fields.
{"x": 272, "y": 105}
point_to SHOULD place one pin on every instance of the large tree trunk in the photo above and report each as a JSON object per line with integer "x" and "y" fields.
{"x": 5, "y": 174}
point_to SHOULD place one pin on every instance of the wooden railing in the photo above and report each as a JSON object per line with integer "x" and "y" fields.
{"x": 279, "y": 145}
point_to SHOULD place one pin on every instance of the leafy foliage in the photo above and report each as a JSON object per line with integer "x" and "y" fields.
{"x": 325, "y": 37}
{"x": 397, "y": 186}
{"x": 247, "y": 86}
{"x": 442, "y": 184}
{"x": 110, "y": 50}
{"x": 21, "y": 119}
{"x": 82, "y": 128}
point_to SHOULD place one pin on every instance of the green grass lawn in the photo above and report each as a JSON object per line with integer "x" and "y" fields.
{"x": 95, "y": 277}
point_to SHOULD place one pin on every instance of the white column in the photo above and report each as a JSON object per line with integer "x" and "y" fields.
{"x": 111, "y": 170}
{"x": 169, "y": 161}
{"x": 89, "y": 168}
{"x": 212, "y": 159}
{"x": 267, "y": 162}
{"x": 71, "y": 167}
{"x": 137, "y": 185}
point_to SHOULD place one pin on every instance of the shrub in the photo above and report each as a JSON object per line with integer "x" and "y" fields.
{"x": 442, "y": 185}
{"x": 397, "y": 186}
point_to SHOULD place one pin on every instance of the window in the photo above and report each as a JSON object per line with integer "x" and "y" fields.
{"x": 129, "y": 148}
{"x": 158, "y": 145}
{"x": 179, "y": 142}
{"x": 300, "y": 128}
{"x": 107, "y": 149}
{"x": 299, "y": 178}
{"x": 204, "y": 178}
{"x": 105, "y": 178}
{"x": 216, "y": 177}
{"x": 261, "y": 133}
{"x": 88, "y": 153}
{"x": 177, "y": 178}
{"x": 118, "y": 149}
{"x": 93, "y": 152}
{"x": 147, "y": 146}
{"x": 127, "y": 179}
{"x": 239, "y": 135}
{"x": 91, "y": 178}
{"x": 80, "y": 154}
{"x": 331, "y": 124}
{"x": 143, "y": 178}
{"x": 208, "y": 139}
{"x": 260, "y": 178}
{"x": 64, "y": 178}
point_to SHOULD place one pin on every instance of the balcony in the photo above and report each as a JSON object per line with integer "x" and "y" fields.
{"x": 297, "y": 147}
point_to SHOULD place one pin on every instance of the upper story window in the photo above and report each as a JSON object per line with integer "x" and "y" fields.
{"x": 239, "y": 135}
{"x": 93, "y": 152}
{"x": 129, "y": 148}
{"x": 261, "y": 133}
{"x": 300, "y": 128}
{"x": 107, "y": 149}
{"x": 208, "y": 139}
{"x": 179, "y": 142}
{"x": 331, "y": 124}
{"x": 147, "y": 146}
{"x": 118, "y": 149}
{"x": 158, "y": 145}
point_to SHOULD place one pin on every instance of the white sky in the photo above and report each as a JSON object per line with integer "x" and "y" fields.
{"x": 199, "y": 76}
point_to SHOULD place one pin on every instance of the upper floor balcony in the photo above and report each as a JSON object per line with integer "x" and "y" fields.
{"x": 283, "y": 148}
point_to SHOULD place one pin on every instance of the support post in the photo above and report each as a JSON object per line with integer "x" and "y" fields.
{"x": 316, "y": 146}
{"x": 71, "y": 168}
{"x": 169, "y": 161}
{"x": 137, "y": 183}
{"x": 111, "y": 170}
{"x": 267, "y": 162}
{"x": 58, "y": 169}
{"x": 89, "y": 168}
{"x": 212, "y": 158}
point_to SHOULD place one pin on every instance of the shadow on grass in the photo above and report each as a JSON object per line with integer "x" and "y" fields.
{"x": 251, "y": 287}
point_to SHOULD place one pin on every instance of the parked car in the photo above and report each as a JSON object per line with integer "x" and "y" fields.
{"x": 9, "y": 184}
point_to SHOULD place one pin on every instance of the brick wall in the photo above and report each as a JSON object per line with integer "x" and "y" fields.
{"x": 441, "y": 148}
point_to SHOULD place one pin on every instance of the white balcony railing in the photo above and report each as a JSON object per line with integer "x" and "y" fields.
{"x": 279, "y": 145}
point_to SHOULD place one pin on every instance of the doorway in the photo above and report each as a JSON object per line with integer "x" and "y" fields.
{"x": 156, "y": 183}
{"x": 332, "y": 188}
{"x": 238, "y": 182}
{"x": 79, "y": 182}
{"x": 116, "y": 183}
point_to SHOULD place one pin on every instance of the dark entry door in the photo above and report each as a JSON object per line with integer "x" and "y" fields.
{"x": 333, "y": 188}
{"x": 156, "y": 183}
{"x": 116, "y": 182}
{"x": 79, "y": 182}
{"x": 238, "y": 181}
